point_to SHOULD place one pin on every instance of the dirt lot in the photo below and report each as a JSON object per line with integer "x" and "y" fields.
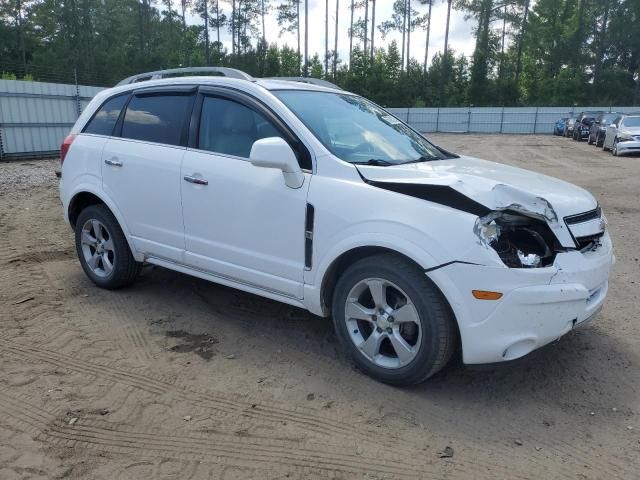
{"x": 179, "y": 378}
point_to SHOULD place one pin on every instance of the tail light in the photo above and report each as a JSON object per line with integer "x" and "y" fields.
{"x": 66, "y": 144}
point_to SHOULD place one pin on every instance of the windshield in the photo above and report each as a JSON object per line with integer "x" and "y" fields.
{"x": 358, "y": 131}
{"x": 608, "y": 118}
{"x": 632, "y": 122}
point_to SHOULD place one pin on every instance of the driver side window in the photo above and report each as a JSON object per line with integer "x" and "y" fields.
{"x": 231, "y": 128}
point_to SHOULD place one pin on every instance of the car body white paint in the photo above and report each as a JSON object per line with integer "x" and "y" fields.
{"x": 246, "y": 228}
{"x": 618, "y": 130}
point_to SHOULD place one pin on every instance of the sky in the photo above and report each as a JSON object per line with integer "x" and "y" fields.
{"x": 460, "y": 34}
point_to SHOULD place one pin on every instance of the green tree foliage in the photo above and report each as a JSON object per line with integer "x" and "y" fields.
{"x": 542, "y": 52}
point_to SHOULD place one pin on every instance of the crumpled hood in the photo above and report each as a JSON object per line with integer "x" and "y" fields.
{"x": 494, "y": 185}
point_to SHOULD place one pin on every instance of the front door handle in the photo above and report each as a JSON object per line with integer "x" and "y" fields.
{"x": 196, "y": 180}
{"x": 114, "y": 162}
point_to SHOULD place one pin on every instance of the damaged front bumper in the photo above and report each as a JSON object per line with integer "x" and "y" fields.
{"x": 538, "y": 305}
{"x": 631, "y": 146}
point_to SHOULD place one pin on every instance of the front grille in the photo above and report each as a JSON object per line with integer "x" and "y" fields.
{"x": 586, "y": 228}
{"x": 584, "y": 217}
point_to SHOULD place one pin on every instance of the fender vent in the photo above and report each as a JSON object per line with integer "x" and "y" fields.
{"x": 308, "y": 236}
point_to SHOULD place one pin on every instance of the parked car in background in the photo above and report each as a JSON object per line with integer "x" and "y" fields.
{"x": 583, "y": 124}
{"x": 319, "y": 198}
{"x": 569, "y": 124}
{"x": 623, "y": 135}
{"x": 558, "y": 128}
{"x": 599, "y": 126}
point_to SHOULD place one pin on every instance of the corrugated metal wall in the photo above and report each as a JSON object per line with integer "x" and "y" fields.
{"x": 524, "y": 120}
{"x": 36, "y": 116}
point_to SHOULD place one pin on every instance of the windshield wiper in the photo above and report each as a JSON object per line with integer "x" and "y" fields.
{"x": 377, "y": 162}
{"x": 419, "y": 160}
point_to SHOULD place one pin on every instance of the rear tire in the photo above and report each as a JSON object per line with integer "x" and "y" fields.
{"x": 103, "y": 250}
{"x": 394, "y": 322}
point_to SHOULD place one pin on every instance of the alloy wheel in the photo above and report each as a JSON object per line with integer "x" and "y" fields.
{"x": 383, "y": 323}
{"x": 97, "y": 248}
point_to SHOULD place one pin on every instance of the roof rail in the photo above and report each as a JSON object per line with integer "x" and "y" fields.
{"x": 223, "y": 71}
{"x": 311, "y": 80}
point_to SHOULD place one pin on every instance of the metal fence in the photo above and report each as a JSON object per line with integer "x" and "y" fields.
{"x": 36, "y": 116}
{"x": 523, "y": 120}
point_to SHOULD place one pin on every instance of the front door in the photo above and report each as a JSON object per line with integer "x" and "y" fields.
{"x": 241, "y": 222}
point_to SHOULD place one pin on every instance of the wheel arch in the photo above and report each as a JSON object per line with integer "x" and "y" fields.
{"x": 347, "y": 258}
{"x": 85, "y": 197}
{"x": 79, "y": 202}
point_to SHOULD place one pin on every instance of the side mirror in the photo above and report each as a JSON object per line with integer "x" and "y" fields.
{"x": 274, "y": 152}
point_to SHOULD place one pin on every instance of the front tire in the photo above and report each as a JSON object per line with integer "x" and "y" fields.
{"x": 103, "y": 250}
{"x": 614, "y": 149}
{"x": 394, "y": 322}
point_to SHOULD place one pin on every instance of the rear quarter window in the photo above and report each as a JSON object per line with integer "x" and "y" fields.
{"x": 156, "y": 118}
{"x": 106, "y": 117}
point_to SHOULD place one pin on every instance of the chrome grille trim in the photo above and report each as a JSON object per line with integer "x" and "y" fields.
{"x": 586, "y": 228}
{"x": 584, "y": 217}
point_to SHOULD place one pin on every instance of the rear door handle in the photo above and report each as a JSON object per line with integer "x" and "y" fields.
{"x": 196, "y": 180}
{"x": 114, "y": 162}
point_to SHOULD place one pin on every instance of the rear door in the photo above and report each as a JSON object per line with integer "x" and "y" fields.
{"x": 141, "y": 168}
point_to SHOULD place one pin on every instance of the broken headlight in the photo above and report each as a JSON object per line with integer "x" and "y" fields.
{"x": 519, "y": 241}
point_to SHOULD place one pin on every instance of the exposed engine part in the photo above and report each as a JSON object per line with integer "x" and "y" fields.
{"x": 520, "y": 241}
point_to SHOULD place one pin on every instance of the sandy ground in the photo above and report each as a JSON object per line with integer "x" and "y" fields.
{"x": 177, "y": 378}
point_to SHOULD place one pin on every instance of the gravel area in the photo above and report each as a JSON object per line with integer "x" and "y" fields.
{"x": 17, "y": 176}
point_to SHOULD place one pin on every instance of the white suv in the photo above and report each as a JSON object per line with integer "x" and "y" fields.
{"x": 319, "y": 198}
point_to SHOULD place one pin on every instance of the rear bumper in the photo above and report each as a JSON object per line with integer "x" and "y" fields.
{"x": 628, "y": 147}
{"x": 538, "y": 305}
{"x": 62, "y": 195}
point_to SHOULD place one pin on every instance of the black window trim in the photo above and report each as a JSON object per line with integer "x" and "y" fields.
{"x": 164, "y": 90}
{"x": 228, "y": 93}
{"x": 169, "y": 90}
{"x": 107, "y": 100}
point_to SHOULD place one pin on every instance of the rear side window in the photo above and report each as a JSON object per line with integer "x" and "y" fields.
{"x": 105, "y": 119}
{"x": 231, "y": 128}
{"x": 156, "y": 118}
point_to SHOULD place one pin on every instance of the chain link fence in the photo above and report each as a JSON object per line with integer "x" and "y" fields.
{"x": 61, "y": 74}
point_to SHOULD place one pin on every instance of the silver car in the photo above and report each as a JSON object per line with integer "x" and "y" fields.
{"x": 623, "y": 135}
